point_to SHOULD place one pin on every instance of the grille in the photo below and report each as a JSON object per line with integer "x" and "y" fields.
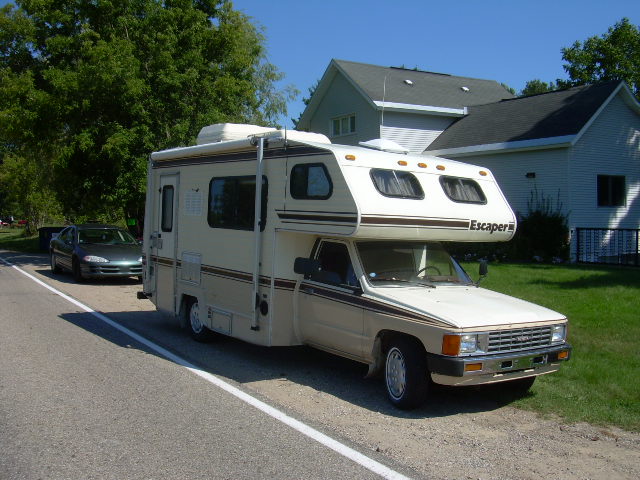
{"x": 519, "y": 339}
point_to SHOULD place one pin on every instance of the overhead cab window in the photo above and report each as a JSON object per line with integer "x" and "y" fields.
{"x": 310, "y": 181}
{"x": 232, "y": 203}
{"x": 397, "y": 184}
{"x": 463, "y": 190}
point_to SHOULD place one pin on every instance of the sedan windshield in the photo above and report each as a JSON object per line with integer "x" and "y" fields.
{"x": 105, "y": 236}
{"x": 422, "y": 263}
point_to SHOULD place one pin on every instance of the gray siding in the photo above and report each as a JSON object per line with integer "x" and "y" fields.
{"x": 610, "y": 146}
{"x": 343, "y": 99}
{"x": 412, "y": 131}
{"x": 510, "y": 169}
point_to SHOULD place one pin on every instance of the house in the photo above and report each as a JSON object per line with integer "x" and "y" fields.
{"x": 578, "y": 148}
{"x": 355, "y": 102}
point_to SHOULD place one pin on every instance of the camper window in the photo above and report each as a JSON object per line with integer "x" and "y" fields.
{"x": 310, "y": 181}
{"x": 396, "y": 183}
{"x": 232, "y": 203}
{"x": 463, "y": 190}
{"x": 167, "y": 208}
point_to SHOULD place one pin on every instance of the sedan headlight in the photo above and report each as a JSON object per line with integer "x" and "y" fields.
{"x": 558, "y": 333}
{"x": 94, "y": 259}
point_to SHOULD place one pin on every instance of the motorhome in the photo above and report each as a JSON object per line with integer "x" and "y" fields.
{"x": 282, "y": 238}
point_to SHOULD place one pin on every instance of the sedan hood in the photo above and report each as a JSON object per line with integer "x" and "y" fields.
{"x": 467, "y": 307}
{"x": 113, "y": 253}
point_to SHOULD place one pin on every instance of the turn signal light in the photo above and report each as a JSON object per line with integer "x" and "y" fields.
{"x": 473, "y": 367}
{"x": 451, "y": 345}
{"x": 563, "y": 355}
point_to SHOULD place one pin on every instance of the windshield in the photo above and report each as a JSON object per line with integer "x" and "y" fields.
{"x": 105, "y": 236}
{"x": 422, "y": 263}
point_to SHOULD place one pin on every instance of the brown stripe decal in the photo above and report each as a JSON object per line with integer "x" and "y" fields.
{"x": 415, "y": 222}
{"x": 317, "y": 217}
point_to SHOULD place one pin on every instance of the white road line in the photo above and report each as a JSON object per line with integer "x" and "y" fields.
{"x": 310, "y": 432}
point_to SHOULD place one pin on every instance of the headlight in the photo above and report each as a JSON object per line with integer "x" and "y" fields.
{"x": 558, "y": 333}
{"x": 140, "y": 259}
{"x": 468, "y": 343}
{"x": 94, "y": 259}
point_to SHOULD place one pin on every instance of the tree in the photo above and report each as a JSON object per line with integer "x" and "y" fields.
{"x": 306, "y": 101}
{"x": 537, "y": 86}
{"x": 88, "y": 89}
{"x": 612, "y": 56}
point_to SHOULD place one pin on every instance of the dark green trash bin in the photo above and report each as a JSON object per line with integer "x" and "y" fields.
{"x": 45, "y": 234}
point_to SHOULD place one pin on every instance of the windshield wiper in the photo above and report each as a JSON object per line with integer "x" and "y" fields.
{"x": 401, "y": 280}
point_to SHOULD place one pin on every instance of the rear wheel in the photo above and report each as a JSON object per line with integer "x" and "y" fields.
{"x": 405, "y": 373}
{"x": 198, "y": 331}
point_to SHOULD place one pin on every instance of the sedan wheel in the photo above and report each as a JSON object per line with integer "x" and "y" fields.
{"x": 54, "y": 264}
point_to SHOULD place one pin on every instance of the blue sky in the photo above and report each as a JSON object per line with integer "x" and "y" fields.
{"x": 508, "y": 41}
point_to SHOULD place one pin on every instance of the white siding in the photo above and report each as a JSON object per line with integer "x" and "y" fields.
{"x": 412, "y": 131}
{"x": 510, "y": 169}
{"x": 343, "y": 99}
{"x": 611, "y": 146}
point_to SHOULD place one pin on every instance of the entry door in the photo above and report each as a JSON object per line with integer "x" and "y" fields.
{"x": 329, "y": 311}
{"x": 164, "y": 242}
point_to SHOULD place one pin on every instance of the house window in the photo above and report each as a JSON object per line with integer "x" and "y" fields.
{"x": 396, "y": 183}
{"x": 232, "y": 203}
{"x": 310, "y": 181}
{"x": 463, "y": 190}
{"x": 343, "y": 125}
{"x": 611, "y": 191}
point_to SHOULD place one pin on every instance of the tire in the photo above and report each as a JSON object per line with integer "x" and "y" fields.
{"x": 197, "y": 329}
{"x": 77, "y": 273}
{"x": 54, "y": 264}
{"x": 405, "y": 373}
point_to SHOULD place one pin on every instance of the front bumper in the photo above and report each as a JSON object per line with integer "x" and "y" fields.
{"x": 111, "y": 269}
{"x": 480, "y": 369}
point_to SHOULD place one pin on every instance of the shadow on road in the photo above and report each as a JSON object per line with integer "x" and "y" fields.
{"x": 246, "y": 363}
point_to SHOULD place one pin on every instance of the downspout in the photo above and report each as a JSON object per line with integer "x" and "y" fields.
{"x": 257, "y": 248}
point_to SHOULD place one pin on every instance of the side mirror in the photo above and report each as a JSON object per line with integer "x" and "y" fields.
{"x": 483, "y": 271}
{"x": 484, "y": 268}
{"x": 306, "y": 266}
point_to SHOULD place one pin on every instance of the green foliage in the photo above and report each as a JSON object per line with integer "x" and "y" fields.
{"x": 89, "y": 89}
{"x": 612, "y": 56}
{"x": 537, "y": 86}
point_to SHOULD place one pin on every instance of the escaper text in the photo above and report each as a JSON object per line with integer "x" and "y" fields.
{"x": 490, "y": 227}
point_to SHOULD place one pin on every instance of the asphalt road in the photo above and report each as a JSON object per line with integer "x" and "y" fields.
{"x": 80, "y": 399}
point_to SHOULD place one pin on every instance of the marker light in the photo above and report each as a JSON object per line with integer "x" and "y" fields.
{"x": 440, "y": 167}
{"x": 402, "y": 162}
{"x": 473, "y": 367}
{"x": 451, "y": 345}
{"x": 350, "y": 157}
{"x": 483, "y": 173}
{"x": 422, "y": 165}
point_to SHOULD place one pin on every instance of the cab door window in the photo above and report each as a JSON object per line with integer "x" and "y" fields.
{"x": 335, "y": 265}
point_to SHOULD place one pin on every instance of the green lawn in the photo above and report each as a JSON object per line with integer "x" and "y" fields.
{"x": 13, "y": 239}
{"x": 600, "y": 383}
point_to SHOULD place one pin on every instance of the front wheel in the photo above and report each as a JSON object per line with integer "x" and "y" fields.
{"x": 54, "y": 264}
{"x": 198, "y": 331}
{"x": 405, "y": 373}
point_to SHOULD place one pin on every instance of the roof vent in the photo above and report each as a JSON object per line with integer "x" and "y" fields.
{"x": 408, "y": 82}
{"x": 464, "y": 89}
{"x": 384, "y": 145}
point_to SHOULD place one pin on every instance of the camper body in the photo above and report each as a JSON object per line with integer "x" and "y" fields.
{"x": 343, "y": 255}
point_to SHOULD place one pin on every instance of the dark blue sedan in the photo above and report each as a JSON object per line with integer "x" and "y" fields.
{"x": 96, "y": 250}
